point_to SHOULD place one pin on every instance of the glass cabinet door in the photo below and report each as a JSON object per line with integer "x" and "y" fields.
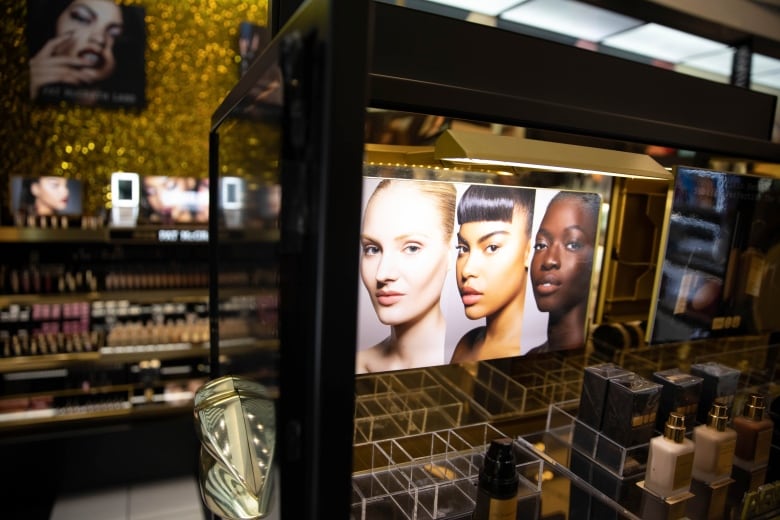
{"x": 285, "y": 175}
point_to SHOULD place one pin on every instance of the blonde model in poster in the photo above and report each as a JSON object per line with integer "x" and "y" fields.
{"x": 561, "y": 267}
{"x": 494, "y": 240}
{"x": 406, "y": 246}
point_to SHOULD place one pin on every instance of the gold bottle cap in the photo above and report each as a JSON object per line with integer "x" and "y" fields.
{"x": 754, "y": 407}
{"x": 718, "y": 417}
{"x": 675, "y": 427}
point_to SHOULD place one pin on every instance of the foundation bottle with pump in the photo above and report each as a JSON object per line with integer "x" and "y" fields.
{"x": 754, "y": 433}
{"x": 670, "y": 460}
{"x": 714, "y": 446}
{"x": 498, "y": 483}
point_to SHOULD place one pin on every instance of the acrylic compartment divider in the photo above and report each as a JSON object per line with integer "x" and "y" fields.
{"x": 434, "y": 475}
{"x": 608, "y": 468}
{"x": 395, "y": 404}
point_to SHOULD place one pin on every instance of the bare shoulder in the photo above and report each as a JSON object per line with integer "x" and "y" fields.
{"x": 468, "y": 346}
{"x": 368, "y": 359}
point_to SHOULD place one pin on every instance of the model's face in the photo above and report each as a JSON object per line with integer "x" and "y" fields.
{"x": 164, "y": 192}
{"x": 492, "y": 257}
{"x": 51, "y": 195}
{"x": 563, "y": 256}
{"x": 94, "y": 26}
{"x": 404, "y": 254}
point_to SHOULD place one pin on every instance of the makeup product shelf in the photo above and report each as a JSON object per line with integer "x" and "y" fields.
{"x": 177, "y": 234}
{"x": 100, "y": 326}
{"x": 756, "y": 357}
{"x": 434, "y": 475}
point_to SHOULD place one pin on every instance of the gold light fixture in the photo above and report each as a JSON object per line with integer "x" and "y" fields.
{"x": 461, "y": 149}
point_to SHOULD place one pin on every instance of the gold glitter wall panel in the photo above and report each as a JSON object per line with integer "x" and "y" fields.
{"x": 192, "y": 61}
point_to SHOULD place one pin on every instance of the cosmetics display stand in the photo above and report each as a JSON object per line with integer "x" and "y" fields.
{"x": 748, "y": 353}
{"x": 668, "y": 508}
{"x": 761, "y": 504}
{"x": 745, "y": 480}
{"x": 103, "y": 324}
{"x": 434, "y": 475}
{"x": 610, "y": 468}
{"x": 709, "y": 500}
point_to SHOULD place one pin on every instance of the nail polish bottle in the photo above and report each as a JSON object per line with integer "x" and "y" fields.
{"x": 754, "y": 432}
{"x": 714, "y": 446}
{"x": 498, "y": 483}
{"x": 670, "y": 460}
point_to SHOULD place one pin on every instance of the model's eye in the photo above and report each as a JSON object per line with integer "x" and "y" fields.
{"x": 539, "y": 246}
{"x": 462, "y": 249}
{"x": 81, "y": 15}
{"x": 412, "y": 248}
{"x": 492, "y": 248}
{"x": 114, "y": 31}
{"x": 370, "y": 250}
{"x": 574, "y": 245}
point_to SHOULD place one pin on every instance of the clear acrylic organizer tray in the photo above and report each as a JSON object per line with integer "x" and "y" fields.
{"x": 620, "y": 460}
{"x": 494, "y": 394}
{"x": 432, "y": 475}
{"x": 395, "y": 405}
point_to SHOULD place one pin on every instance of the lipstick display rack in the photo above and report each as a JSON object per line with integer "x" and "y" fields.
{"x": 434, "y": 475}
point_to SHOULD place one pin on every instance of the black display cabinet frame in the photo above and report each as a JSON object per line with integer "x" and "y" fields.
{"x": 383, "y": 56}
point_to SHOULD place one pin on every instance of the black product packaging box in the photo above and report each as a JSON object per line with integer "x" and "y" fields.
{"x": 579, "y": 496}
{"x": 718, "y": 382}
{"x": 630, "y": 410}
{"x": 624, "y": 491}
{"x": 680, "y": 393}
{"x": 595, "y": 380}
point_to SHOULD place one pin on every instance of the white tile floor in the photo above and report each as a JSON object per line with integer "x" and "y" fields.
{"x": 174, "y": 499}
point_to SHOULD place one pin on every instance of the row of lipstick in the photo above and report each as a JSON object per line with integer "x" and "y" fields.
{"x": 58, "y": 280}
{"x": 23, "y": 344}
{"x": 58, "y": 221}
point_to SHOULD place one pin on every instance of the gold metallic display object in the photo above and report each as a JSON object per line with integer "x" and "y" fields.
{"x": 236, "y": 423}
{"x": 463, "y": 148}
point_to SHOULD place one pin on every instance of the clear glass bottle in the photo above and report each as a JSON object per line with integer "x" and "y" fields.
{"x": 714, "y": 446}
{"x": 670, "y": 460}
{"x": 754, "y": 433}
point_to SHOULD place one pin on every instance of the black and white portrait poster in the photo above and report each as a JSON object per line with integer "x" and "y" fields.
{"x": 87, "y": 52}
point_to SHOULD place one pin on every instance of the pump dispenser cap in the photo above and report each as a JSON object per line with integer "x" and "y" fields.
{"x": 674, "y": 429}
{"x": 718, "y": 417}
{"x": 754, "y": 407}
{"x": 499, "y": 473}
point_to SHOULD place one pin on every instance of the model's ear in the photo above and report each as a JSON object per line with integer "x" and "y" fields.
{"x": 35, "y": 189}
{"x": 527, "y": 257}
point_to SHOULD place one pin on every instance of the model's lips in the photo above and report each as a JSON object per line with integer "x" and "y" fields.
{"x": 92, "y": 58}
{"x": 470, "y": 296}
{"x": 387, "y": 298}
{"x": 547, "y": 285}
